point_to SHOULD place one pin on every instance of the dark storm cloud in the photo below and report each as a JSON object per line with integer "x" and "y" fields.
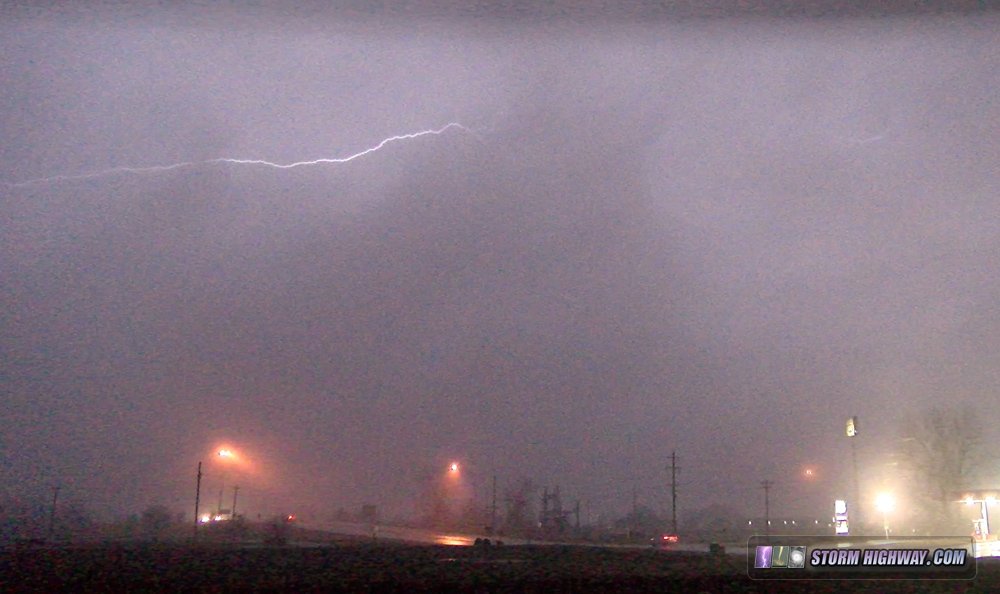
{"x": 720, "y": 238}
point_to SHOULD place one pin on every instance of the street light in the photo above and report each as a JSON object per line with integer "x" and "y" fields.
{"x": 885, "y": 504}
{"x": 466, "y": 488}
{"x": 982, "y": 524}
{"x": 227, "y": 457}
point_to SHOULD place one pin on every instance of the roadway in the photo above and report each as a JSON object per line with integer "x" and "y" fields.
{"x": 426, "y": 536}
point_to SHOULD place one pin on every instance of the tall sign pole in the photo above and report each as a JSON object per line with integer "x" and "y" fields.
{"x": 852, "y": 434}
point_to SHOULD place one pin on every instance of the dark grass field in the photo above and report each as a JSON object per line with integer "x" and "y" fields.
{"x": 371, "y": 567}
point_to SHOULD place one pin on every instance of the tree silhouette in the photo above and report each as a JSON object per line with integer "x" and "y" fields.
{"x": 940, "y": 450}
{"x": 156, "y": 519}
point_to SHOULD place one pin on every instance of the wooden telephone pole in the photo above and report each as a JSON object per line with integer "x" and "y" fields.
{"x": 52, "y": 511}
{"x": 197, "y": 500}
{"x": 673, "y": 492}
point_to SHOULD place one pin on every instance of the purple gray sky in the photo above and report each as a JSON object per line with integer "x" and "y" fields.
{"x": 719, "y": 232}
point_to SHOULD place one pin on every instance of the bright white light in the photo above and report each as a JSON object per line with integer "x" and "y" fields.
{"x": 969, "y": 500}
{"x": 205, "y": 518}
{"x": 885, "y": 502}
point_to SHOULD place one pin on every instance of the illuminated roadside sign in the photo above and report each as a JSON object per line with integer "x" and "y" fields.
{"x": 840, "y": 516}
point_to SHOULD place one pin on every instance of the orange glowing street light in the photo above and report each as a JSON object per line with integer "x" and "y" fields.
{"x": 453, "y": 468}
{"x": 226, "y": 456}
{"x": 228, "y": 460}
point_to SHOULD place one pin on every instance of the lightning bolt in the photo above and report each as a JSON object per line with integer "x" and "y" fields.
{"x": 162, "y": 168}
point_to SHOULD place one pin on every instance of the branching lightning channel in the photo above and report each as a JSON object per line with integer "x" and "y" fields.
{"x": 162, "y": 168}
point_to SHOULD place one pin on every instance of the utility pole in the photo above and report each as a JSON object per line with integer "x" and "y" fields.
{"x": 493, "y": 506}
{"x": 545, "y": 508}
{"x": 232, "y": 514}
{"x": 52, "y": 512}
{"x": 635, "y": 511}
{"x": 673, "y": 492}
{"x": 766, "y": 485}
{"x": 197, "y": 500}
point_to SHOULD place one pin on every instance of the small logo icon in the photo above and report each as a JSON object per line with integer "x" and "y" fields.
{"x": 797, "y": 557}
{"x": 763, "y": 559}
{"x": 779, "y": 556}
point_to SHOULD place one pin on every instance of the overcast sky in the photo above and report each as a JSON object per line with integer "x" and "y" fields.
{"x": 720, "y": 235}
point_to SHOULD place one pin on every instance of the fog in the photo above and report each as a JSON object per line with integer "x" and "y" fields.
{"x": 716, "y": 232}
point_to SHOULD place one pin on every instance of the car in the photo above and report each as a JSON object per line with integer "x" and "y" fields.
{"x": 664, "y": 540}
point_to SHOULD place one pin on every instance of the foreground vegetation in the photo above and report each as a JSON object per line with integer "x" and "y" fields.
{"x": 388, "y": 567}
